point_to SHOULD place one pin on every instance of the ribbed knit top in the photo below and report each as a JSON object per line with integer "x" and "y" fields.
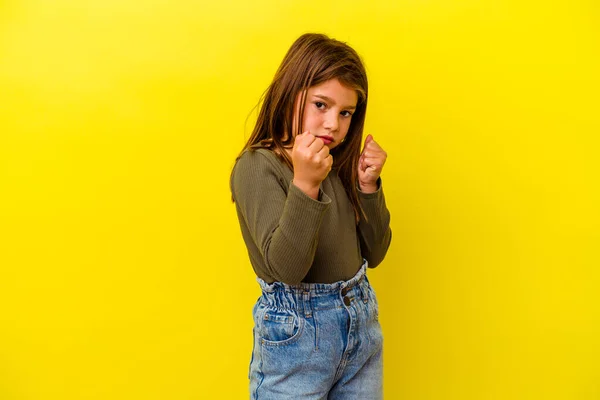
{"x": 294, "y": 238}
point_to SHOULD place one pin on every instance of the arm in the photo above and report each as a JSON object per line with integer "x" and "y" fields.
{"x": 374, "y": 233}
{"x": 283, "y": 226}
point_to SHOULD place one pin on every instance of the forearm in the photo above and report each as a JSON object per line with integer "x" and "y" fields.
{"x": 374, "y": 251}
{"x": 368, "y": 188}
{"x": 311, "y": 190}
{"x": 375, "y": 232}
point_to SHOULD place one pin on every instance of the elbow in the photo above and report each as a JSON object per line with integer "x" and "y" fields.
{"x": 287, "y": 261}
{"x": 289, "y": 277}
{"x": 374, "y": 261}
{"x": 291, "y": 282}
{"x": 283, "y": 269}
{"x": 376, "y": 257}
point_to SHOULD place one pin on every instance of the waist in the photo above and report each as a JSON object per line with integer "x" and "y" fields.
{"x": 314, "y": 295}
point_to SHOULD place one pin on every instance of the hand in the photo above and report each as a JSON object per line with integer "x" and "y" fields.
{"x": 312, "y": 162}
{"x": 370, "y": 164}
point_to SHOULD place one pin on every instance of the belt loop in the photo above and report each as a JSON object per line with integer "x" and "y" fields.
{"x": 306, "y": 303}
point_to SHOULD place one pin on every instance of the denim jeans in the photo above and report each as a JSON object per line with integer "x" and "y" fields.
{"x": 317, "y": 341}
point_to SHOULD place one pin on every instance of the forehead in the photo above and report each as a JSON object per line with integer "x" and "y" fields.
{"x": 334, "y": 90}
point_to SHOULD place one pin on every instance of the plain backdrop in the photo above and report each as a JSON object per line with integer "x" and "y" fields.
{"x": 123, "y": 274}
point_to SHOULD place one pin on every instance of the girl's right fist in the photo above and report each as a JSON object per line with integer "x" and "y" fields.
{"x": 312, "y": 162}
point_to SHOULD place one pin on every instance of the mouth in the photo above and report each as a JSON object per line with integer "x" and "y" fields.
{"x": 326, "y": 139}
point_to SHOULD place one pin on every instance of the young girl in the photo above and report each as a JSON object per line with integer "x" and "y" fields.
{"x": 313, "y": 217}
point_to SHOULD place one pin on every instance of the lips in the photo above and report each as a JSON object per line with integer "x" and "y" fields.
{"x": 326, "y": 139}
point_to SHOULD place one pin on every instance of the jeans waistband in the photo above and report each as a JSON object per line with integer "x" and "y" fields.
{"x": 307, "y": 296}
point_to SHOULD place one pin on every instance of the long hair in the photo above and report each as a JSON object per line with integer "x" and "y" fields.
{"x": 313, "y": 59}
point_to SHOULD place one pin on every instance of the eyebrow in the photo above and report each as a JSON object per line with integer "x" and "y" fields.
{"x": 330, "y": 100}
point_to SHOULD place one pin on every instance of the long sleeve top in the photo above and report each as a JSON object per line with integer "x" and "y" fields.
{"x": 294, "y": 238}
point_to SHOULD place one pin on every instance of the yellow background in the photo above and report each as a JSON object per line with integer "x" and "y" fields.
{"x": 122, "y": 270}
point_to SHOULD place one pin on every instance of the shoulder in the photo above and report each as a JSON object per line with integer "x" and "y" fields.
{"x": 256, "y": 168}
{"x": 257, "y": 159}
{"x": 259, "y": 155}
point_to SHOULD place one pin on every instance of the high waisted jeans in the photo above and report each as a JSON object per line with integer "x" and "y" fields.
{"x": 317, "y": 341}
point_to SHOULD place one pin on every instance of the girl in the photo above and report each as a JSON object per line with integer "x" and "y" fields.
{"x": 313, "y": 217}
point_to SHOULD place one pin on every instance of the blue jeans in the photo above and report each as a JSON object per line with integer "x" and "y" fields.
{"x": 317, "y": 341}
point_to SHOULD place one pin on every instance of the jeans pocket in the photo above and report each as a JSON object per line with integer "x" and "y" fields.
{"x": 279, "y": 327}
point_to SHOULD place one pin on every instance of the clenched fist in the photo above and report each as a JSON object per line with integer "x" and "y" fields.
{"x": 312, "y": 162}
{"x": 370, "y": 164}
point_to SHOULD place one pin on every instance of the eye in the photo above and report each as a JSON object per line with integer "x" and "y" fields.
{"x": 320, "y": 105}
{"x": 346, "y": 113}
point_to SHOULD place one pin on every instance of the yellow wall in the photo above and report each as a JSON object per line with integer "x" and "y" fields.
{"x": 122, "y": 271}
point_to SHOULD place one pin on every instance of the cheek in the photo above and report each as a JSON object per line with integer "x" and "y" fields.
{"x": 345, "y": 125}
{"x": 311, "y": 119}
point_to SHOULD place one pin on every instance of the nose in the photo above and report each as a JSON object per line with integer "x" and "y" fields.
{"x": 331, "y": 122}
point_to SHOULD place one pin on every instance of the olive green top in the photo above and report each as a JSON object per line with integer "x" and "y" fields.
{"x": 294, "y": 238}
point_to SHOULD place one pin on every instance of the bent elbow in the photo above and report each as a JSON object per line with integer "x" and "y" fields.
{"x": 285, "y": 274}
{"x": 283, "y": 270}
{"x": 376, "y": 257}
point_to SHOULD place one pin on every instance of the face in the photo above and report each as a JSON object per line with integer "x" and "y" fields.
{"x": 328, "y": 111}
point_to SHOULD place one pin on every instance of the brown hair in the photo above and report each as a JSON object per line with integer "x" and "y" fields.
{"x": 313, "y": 59}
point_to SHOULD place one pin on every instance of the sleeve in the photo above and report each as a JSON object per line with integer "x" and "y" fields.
{"x": 283, "y": 226}
{"x": 374, "y": 232}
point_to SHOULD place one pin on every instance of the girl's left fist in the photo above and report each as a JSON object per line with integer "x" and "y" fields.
{"x": 370, "y": 164}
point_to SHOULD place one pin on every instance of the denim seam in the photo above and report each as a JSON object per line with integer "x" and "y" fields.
{"x": 344, "y": 360}
{"x": 253, "y": 349}
{"x": 260, "y": 364}
{"x": 314, "y": 316}
{"x": 260, "y": 372}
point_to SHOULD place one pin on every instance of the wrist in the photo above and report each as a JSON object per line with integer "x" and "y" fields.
{"x": 310, "y": 189}
{"x": 368, "y": 187}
